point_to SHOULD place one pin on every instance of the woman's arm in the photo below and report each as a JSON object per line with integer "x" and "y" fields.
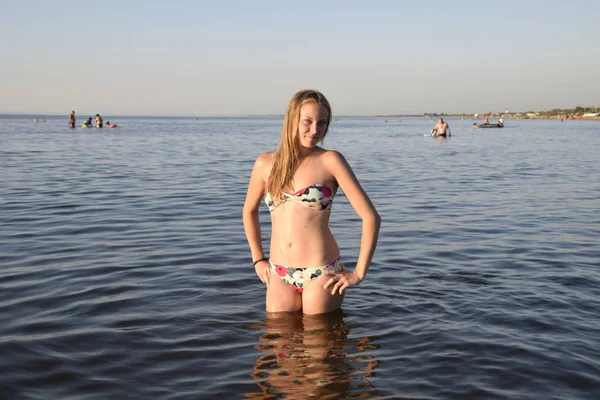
{"x": 371, "y": 221}
{"x": 256, "y": 191}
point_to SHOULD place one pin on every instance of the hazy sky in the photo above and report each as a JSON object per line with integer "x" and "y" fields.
{"x": 249, "y": 57}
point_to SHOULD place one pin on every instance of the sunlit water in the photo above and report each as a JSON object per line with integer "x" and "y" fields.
{"x": 125, "y": 272}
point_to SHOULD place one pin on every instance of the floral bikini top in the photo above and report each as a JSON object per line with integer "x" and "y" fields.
{"x": 318, "y": 197}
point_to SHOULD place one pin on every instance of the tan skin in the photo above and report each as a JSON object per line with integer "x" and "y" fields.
{"x": 300, "y": 236}
{"x": 442, "y": 127}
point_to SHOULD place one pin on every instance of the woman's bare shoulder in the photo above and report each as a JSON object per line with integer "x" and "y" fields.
{"x": 333, "y": 158}
{"x": 264, "y": 163}
{"x": 265, "y": 159}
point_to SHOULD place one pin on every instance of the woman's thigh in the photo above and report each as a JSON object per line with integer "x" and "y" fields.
{"x": 316, "y": 300}
{"x": 281, "y": 297}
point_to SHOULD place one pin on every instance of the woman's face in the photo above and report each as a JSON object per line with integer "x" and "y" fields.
{"x": 313, "y": 124}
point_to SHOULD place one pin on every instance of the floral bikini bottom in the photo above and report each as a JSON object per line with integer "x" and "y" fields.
{"x": 298, "y": 278}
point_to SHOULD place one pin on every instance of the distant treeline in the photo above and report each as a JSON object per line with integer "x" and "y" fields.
{"x": 576, "y": 110}
{"x": 548, "y": 113}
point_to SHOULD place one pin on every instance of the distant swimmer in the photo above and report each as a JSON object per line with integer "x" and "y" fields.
{"x": 485, "y": 121}
{"x": 475, "y": 125}
{"x": 441, "y": 129}
{"x": 87, "y": 123}
{"x": 109, "y": 125}
{"x": 35, "y": 121}
{"x": 72, "y": 119}
{"x": 500, "y": 122}
{"x": 98, "y": 121}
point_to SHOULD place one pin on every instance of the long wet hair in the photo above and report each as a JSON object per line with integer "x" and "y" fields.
{"x": 287, "y": 156}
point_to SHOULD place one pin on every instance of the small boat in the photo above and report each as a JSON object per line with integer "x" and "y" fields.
{"x": 489, "y": 126}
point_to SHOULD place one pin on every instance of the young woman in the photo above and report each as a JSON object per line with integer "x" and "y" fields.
{"x": 298, "y": 182}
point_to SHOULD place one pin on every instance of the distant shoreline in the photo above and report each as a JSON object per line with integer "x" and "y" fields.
{"x": 481, "y": 117}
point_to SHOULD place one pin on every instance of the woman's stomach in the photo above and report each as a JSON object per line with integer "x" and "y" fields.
{"x": 303, "y": 242}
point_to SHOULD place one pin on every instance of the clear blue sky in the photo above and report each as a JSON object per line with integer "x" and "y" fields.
{"x": 249, "y": 57}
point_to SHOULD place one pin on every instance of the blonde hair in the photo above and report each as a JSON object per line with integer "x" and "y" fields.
{"x": 287, "y": 156}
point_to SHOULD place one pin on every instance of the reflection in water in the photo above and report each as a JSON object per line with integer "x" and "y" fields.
{"x": 439, "y": 139}
{"x": 311, "y": 356}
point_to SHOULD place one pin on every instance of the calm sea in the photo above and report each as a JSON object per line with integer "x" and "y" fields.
{"x": 125, "y": 273}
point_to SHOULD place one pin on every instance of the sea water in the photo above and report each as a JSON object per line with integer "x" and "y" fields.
{"x": 125, "y": 273}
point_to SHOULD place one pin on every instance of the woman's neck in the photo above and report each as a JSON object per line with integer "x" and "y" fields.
{"x": 308, "y": 151}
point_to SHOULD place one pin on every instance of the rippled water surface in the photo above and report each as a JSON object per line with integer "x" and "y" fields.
{"x": 124, "y": 270}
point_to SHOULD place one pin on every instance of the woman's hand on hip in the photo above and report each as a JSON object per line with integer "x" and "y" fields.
{"x": 263, "y": 271}
{"x": 340, "y": 280}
